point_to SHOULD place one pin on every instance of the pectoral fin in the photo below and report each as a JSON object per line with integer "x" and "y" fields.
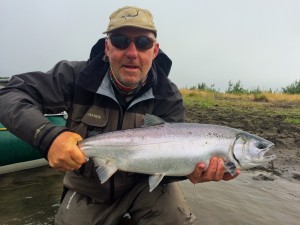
{"x": 230, "y": 168}
{"x": 105, "y": 169}
{"x": 154, "y": 180}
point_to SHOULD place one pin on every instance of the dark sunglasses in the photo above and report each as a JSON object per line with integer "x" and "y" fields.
{"x": 122, "y": 42}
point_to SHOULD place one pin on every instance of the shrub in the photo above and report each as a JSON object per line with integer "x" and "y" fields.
{"x": 260, "y": 97}
{"x": 293, "y": 88}
{"x": 236, "y": 88}
{"x": 204, "y": 87}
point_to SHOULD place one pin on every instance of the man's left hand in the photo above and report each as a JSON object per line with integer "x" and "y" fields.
{"x": 214, "y": 172}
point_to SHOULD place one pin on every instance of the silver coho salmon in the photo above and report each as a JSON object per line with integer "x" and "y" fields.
{"x": 173, "y": 149}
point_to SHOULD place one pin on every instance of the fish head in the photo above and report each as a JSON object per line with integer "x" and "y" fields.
{"x": 249, "y": 151}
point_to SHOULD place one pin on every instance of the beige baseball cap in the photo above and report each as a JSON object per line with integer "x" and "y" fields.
{"x": 130, "y": 16}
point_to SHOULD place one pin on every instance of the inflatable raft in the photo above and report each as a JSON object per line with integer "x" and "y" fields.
{"x": 16, "y": 154}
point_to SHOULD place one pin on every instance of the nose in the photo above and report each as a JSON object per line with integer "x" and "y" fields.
{"x": 131, "y": 51}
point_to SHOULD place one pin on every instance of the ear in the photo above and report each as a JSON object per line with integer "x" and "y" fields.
{"x": 155, "y": 50}
{"x": 106, "y": 47}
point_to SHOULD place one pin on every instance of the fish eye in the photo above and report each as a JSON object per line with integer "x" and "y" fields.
{"x": 261, "y": 145}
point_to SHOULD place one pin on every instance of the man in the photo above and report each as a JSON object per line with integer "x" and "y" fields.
{"x": 125, "y": 77}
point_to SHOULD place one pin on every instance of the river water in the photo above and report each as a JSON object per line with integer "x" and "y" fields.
{"x": 31, "y": 197}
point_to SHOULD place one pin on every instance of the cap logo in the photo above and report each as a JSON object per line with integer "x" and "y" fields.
{"x": 130, "y": 16}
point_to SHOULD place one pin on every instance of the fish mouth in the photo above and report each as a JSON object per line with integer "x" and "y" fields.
{"x": 261, "y": 157}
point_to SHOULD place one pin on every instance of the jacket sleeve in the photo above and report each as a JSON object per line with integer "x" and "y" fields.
{"x": 29, "y": 96}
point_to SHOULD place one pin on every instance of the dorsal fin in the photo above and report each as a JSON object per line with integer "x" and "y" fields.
{"x": 151, "y": 120}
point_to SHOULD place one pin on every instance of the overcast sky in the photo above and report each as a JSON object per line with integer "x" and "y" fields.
{"x": 210, "y": 41}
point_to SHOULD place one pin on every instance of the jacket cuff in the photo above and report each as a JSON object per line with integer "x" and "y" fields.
{"x": 45, "y": 135}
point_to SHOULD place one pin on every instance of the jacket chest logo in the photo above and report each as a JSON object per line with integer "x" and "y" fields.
{"x": 93, "y": 115}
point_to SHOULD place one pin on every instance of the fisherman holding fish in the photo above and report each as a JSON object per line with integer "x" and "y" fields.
{"x": 125, "y": 78}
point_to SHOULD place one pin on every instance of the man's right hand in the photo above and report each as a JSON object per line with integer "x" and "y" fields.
{"x": 64, "y": 153}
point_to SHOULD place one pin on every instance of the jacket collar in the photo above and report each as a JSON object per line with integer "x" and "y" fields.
{"x": 91, "y": 76}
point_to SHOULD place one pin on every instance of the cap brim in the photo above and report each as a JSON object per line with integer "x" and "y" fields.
{"x": 135, "y": 26}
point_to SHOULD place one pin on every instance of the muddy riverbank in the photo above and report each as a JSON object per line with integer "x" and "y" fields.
{"x": 272, "y": 121}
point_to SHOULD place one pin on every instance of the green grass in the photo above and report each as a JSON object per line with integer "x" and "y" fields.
{"x": 266, "y": 106}
{"x": 295, "y": 121}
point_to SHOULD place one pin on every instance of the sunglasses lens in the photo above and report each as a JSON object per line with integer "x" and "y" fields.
{"x": 123, "y": 42}
{"x": 143, "y": 42}
{"x": 120, "y": 41}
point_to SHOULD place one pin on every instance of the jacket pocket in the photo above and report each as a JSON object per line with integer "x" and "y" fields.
{"x": 85, "y": 119}
{"x": 96, "y": 120}
{"x": 96, "y": 117}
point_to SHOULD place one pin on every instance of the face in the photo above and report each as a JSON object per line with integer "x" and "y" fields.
{"x": 130, "y": 66}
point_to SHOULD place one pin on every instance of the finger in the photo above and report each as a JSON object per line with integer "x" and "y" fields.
{"x": 78, "y": 157}
{"x": 199, "y": 169}
{"x": 228, "y": 176}
{"x": 220, "y": 170}
{"x": 76, "y": 137}
{"x": 212, "y": 169}
{"x": 195, "y": 176}
{"x": 198, "y": 173}
{"x": 63, "y": 164}
{"x": 65, "y": 168}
